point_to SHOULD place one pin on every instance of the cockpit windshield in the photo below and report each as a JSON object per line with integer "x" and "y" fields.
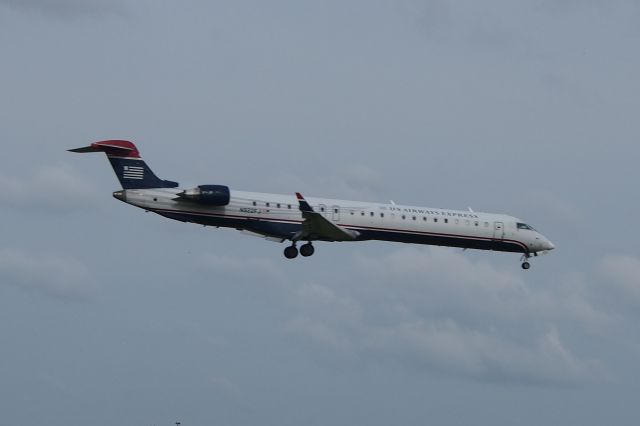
{"x": 524, "y": 226}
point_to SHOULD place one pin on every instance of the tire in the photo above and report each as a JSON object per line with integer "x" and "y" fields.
{"x": 291, "y": 252}
{"x": 307, "y": 250}
{"x": 526, "y": 265}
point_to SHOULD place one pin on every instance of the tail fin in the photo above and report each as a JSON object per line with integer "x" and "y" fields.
{"x": 132, "y": 171}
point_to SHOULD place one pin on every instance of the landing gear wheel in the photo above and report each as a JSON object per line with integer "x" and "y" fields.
{"x": 307, "y": 250}
{"x": 526, "y": 265}
{"x": 291, "y": 252}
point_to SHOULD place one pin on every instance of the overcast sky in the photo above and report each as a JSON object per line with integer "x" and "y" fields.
{"x": 109, "y": 315}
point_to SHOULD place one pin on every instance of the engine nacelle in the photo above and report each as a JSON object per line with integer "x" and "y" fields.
{"x": 211, "y": 195}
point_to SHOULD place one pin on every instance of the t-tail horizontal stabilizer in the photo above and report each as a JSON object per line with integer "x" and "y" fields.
{"x": 131, "y": 170}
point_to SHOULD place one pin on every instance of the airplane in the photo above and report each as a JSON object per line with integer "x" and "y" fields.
{"x": 298, "y": 219}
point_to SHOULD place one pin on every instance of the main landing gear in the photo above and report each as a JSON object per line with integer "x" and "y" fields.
{"x": 306, "y": 250}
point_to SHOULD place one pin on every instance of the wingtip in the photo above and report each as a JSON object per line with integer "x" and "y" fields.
{"x": 299, "y": 196}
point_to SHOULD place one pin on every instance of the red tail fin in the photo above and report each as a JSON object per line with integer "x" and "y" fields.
{"x": 113, "y": 148}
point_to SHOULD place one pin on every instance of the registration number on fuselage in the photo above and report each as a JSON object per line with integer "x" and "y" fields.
{"x": 249, "y": 210}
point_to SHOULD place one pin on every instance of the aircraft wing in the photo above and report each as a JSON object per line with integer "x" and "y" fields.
{"x": 317, "y": 227}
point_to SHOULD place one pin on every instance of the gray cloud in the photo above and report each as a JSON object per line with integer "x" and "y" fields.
{"x": 444, "y": 346}
{"x": 245, "y": 266}
{"x": 446, "y": 281}
{"x": 458, "y": 24}
{"x": 49, "y": 188}
{"x": 621, "y": 273}
{"x": 433, "y": 16}
{"x": 356, "y": 181}
{"x": 57, "y": 276}
{"x": 436, "y": 310}
{"x": 68, "y": 8}
{"x": 564, "y": 7}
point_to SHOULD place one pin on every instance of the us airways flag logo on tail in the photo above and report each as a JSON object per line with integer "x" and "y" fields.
{"x": 133, "y": 172}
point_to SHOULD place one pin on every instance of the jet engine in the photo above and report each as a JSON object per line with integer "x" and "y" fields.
{"x": 211, "y": 195}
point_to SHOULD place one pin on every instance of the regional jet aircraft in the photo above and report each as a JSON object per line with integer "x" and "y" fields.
{"x": 299, "y": 219}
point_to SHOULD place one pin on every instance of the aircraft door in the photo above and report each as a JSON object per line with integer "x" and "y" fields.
{"x": 498, "y": 230}
{"x": 335, "y": 213}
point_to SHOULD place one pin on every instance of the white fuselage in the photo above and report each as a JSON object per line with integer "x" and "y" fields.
{"x": 279, "y": 217}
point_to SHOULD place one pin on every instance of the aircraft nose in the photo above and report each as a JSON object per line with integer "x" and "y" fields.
{"x": 548, "y": 245}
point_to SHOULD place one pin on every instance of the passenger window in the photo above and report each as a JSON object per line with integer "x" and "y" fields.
{"x": 351, "y": 212}
{"x": 267, "y": 204}
{"x": 435, "y": 219}
{"x": 424, "y": 218}
{"x": 414, "y": 218}
{"x": 403, "y": 217}
{"x": 477, "y": 223}
{"x": 278, "y": 205}
{"x": 321, "y": 209}
{"x": 381, "y": 214}
{"x": 289, "y": 206}
{"x": 335, "y": 210}
{"x": 371, "y": 214}
{"x": 361, "y": 213}
{"x": 446, "y": 221}
{"x": 254, "y": 203}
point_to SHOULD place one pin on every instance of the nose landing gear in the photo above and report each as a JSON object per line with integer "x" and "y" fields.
{"x": 525, "y": 261}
